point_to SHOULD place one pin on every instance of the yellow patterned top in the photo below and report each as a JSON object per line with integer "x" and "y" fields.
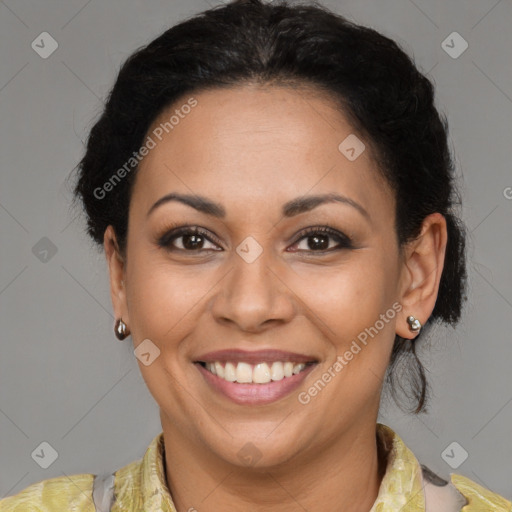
{"x": 141, "y": 486}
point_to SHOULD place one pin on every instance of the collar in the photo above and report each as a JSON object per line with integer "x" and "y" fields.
{"x": 142, "y": 485}
{"x": 402, "y": 486}
{"x": 143, "y": 482}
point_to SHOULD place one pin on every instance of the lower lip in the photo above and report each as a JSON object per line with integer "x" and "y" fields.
{"x": 249, "y": 394}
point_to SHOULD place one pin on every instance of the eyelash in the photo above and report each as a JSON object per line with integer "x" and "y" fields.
{"x": 164, "y": 241}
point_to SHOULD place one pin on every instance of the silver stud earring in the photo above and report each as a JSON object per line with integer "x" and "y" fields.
{"x": 121, "y": 330}
{"x": 414, "y": 324}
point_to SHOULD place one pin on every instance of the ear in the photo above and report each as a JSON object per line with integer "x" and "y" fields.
{"x": 117, "y": 272}
{"x": 421, "y": 273}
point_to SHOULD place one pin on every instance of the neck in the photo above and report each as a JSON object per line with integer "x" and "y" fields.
{"x": 342, "y": 475}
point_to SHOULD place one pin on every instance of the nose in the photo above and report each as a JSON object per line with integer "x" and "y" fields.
{"x": 254, "y": 295}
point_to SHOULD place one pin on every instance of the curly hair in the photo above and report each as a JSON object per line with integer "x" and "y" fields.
{"x": 373, "y": 81}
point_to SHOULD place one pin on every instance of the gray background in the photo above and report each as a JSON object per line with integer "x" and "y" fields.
{"x": 65, "y": 379}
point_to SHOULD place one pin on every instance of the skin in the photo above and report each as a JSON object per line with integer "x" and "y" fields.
{"x": 253, "y": 148}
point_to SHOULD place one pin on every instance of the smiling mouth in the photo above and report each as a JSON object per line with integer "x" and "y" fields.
{"x": 260, "y": 373}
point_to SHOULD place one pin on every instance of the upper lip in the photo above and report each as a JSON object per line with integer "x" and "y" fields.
{"x": 254, "y": 356}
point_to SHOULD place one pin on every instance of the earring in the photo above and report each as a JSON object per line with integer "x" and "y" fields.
{"x": 121, "y": 330}
{"x": 414, "y": 324}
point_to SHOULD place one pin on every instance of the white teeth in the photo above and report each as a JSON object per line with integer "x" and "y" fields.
{"x": 288, "y": 369}
{"x": 230, "y": 372}
{"x": 244, "y": 372}
{"x": 260, "y": 373}
{"x": 219, "y": 370}
{"x": 277, "y": 371}
{"x": 298, "y": 368}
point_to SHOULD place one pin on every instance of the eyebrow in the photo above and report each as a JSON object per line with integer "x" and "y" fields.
{"x": 290, "y": 209}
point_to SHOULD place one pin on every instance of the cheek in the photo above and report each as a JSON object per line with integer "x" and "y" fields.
{"x": 162, "y": 299}
{"x": 356, "y": 313}
{"x": 348, "y": 297}
{"x": 163, "y": 306}
{"x": 352, "y": 306}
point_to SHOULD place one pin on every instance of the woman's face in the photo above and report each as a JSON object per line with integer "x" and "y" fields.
{"x": 253, "y": 280}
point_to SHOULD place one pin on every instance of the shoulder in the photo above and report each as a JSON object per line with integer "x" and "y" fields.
{"x": 72, "y": 492}
{"x": 478, "y": 497}
{"x": 127, "y": 486}
{"x": 461, "y": 494}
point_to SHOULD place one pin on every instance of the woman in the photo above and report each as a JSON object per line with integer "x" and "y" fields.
{"x": 274, "y": 194}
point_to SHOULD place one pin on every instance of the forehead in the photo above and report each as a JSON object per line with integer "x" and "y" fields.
{"x": 257, "y": 145}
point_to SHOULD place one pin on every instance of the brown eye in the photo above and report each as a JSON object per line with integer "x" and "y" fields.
{"x": 186, "y": 239}
{"x": 320, "y": 240}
